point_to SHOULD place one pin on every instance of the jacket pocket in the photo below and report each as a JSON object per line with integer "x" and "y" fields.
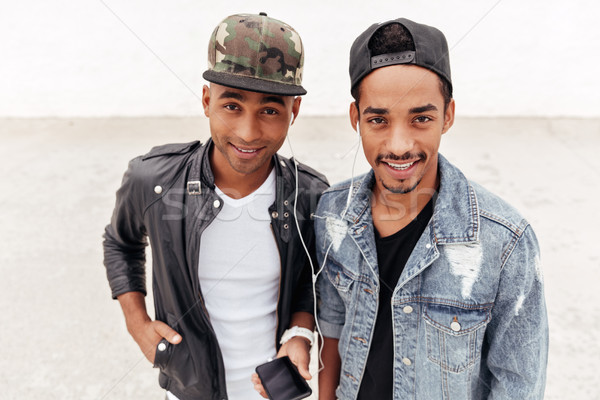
{"x": 455, "y": 334}
{"x": 174, "y": 360}
{"x": 340, "y": 278}
{"x": 163, "y": 353}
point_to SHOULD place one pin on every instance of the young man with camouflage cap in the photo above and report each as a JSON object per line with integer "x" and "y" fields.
{"x": 230, "y": 274}
{"x": 431, "y": 287}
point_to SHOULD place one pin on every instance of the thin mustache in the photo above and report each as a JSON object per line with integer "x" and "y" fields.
{"x": 403, "y": 157}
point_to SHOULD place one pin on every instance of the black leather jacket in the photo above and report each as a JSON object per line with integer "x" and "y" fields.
{"x": 168, "y": 196}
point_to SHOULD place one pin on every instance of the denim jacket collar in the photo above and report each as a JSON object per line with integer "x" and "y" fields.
{"x": 456, "y": 197}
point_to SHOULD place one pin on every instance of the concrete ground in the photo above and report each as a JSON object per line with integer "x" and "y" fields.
{"x": 62, "y": 337}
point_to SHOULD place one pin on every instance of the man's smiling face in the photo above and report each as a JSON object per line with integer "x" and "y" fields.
{"x": 247, "y": 128}
{"x": 402, "y": 119}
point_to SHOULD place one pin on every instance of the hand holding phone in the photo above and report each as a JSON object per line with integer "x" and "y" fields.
{"x": 282, "y": 381}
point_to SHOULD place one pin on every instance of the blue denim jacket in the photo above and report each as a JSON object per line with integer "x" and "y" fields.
{"x": 469, "y": 315}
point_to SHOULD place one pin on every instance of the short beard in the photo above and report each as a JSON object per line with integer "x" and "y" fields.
{"x": 400, "y": 190}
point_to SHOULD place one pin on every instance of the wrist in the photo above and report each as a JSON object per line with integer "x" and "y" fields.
{"x": 136, "y": 323}
{"x": 295, "y": 332}
{"x": 133, "y": 305}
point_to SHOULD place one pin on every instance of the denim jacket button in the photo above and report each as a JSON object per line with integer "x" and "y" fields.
{"x": 216, "y": 204}
{"x": 428, "y": 246}
{"x": 407, "y": 309}
{"x": 158, "y": 189}
{"x": 274, "y": 214}
{"x": 162, "y": 347}
{"x": 406, "y": 361}
{"x": 455, "y": 326}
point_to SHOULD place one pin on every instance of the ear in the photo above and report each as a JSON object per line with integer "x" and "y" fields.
{"x": 354, "y": 116}
{"x": 448, "y": 116}
{"x": 206, "y": 100}
{"x": 295, "y": 108}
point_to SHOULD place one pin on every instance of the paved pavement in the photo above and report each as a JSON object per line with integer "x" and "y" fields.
{"x": 62, "y": 337}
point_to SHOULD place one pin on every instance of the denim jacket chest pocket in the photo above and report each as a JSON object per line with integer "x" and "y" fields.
{"x": 455, "y": 334}
{"x": 341, "y": 278}
{"x": 346, "y": 279}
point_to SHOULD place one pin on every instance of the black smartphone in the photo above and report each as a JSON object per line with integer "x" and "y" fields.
{"x": 282, "y": 381}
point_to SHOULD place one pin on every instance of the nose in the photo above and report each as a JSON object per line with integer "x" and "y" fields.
{"x": 400, "y": 140}
{"x": 248, "y": 129}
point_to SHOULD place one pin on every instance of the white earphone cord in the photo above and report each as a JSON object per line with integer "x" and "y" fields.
{"x": 312, "y": 267}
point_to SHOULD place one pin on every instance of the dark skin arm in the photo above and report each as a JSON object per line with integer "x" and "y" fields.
{"x": 146, "y": 332}
{"x": 329, "y": 377}
{"x": 297, "y": 349}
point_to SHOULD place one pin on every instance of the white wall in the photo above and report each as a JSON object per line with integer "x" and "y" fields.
{"x": 137, "y": 58}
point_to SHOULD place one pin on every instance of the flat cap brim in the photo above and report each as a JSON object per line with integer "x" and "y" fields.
{"x": 253, "y": 84}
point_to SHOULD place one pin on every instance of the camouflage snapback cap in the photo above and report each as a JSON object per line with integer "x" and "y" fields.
{"x": 256, "y": 53}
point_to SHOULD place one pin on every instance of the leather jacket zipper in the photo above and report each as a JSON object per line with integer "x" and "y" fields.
{"x": 278, "y": 288}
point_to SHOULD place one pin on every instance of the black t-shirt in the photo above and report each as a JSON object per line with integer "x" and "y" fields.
{"x": 392, "y": 254}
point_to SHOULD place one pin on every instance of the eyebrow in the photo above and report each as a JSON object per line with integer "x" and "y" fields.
{"x": 421, "y": 109}
{"x": 238, "y": 96}
{"x": 379, "y": 111}
{"x": 414, "y": 110}
{"x": 272, "y": 99}
{"x": 231, "y": 95}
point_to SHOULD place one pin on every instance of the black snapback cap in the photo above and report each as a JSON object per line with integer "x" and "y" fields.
{"x": 431, "y": 52}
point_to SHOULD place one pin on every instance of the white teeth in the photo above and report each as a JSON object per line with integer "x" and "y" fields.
{"x": 400, "y": 166}
{"x": 246, "y": 151}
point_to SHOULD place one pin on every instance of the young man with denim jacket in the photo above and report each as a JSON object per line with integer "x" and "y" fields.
{"x": 431, "y": 286}
{"x": 230, "y": 272}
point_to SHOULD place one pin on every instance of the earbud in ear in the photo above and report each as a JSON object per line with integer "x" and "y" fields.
{"x": 358, "y": 128}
